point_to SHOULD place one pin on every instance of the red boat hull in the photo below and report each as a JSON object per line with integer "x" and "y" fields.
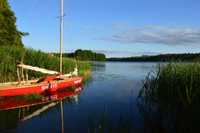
{"x": 38, "y": 88}
{"x": 11, "y": 103}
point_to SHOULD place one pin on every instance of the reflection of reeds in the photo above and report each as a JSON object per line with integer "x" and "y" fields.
{"x": 9, "y": 119}
{"x": 106, "y": 125}
{"x": 29, "y": 97}
{"x": 10, "y": 55}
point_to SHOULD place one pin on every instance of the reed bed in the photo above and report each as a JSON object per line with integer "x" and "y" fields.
{"x": 10, "y": 55}
{"x": 174, "y": 83}
{"x": 170, "y": 98}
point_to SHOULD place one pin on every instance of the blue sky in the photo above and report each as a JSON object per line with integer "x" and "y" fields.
{"x": 115, "y": 27}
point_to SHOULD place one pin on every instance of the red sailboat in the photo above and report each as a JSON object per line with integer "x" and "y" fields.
{"x": 8, "y": 103}
{"x": 52, "y": 82}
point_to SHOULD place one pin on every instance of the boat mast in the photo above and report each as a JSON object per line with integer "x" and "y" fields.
{"x": 61, "y": 31}
{"x": 61, "y": 47}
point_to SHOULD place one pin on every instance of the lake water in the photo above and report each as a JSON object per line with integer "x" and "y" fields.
{"x": 110, "y": 96}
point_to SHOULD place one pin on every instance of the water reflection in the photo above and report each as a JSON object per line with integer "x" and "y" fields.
{"x": 166, "y": 115}
{"x": 108, "y": 101}
{"x": 14, "y": 110}
{"x": 98, "y": 66}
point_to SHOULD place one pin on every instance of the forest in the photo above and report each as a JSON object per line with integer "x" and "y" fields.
{"x": 85, "y": 55}
{"x": 186, "y": 57}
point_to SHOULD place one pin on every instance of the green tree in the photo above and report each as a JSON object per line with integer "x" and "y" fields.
{"x": 86, "y": 55}
{"x": 9, "y": 34}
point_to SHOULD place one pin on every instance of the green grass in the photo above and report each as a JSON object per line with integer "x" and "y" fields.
{"x": 175, "y": 83}
{"x": 170, "y": 98}
{"x": 10, "y": 55}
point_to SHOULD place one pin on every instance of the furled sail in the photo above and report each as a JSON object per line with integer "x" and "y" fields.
{"x": 37, "y": 69}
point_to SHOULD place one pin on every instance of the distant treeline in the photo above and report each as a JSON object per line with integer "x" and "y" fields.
{"x": 162, "y": 58}
{"x": 87, "y": 55}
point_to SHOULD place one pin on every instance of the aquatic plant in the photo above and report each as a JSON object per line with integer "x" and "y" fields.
{"x": 174, "y": 83}
{"x": 10, "y": 55}
{"x": 170, "y": 98}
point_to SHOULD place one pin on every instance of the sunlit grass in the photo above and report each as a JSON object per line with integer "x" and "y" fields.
{"x": 174, "y": 84}
{"x": 10, "y": 55}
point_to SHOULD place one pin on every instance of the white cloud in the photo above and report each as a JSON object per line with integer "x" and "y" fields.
{"x": 113, "y": 53}
{"x": 156, "y": 34}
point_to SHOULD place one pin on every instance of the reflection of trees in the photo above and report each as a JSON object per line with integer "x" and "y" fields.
{"x": 98, "y": 66}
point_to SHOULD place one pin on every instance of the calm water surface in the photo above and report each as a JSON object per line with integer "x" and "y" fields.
{"x": 112, "y": 90}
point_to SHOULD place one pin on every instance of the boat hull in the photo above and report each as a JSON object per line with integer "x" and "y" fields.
{"x": 12, "y": 103}
{"x": 38, "y": 88}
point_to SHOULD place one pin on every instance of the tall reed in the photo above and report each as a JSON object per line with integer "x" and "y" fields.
{"x": 177, "y": 83}
{"x": 10, "y": 55}
{"x": 170, "y": 98}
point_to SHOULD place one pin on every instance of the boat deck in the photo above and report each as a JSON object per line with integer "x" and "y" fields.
{"x": 29, "y": 82}
{"x": 13, "y": 85}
